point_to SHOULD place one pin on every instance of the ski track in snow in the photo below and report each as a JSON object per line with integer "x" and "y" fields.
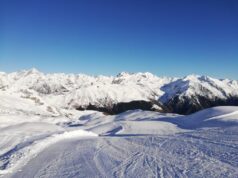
{"x": 133, "y": 144}
{"x": 200, "y": 153}
{"x": 20, "y": 155}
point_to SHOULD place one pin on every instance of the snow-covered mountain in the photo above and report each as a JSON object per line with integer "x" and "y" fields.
{"x": 193, "y": 93}
{"x": 122, "y": 92}
{"x": 42, "y": 134}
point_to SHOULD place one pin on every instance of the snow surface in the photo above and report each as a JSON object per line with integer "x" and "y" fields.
{"x": 35, "y": 142}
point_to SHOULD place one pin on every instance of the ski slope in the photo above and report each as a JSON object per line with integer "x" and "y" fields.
{"x": 206, "y": 153}
{"x": 36, "y": 142}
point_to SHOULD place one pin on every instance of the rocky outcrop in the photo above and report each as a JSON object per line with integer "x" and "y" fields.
{"x": 185, "y": 105}
{"x": 122, "y": 107}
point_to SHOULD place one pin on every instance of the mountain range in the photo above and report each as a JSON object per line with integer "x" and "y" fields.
{"x": 126, "y": 91}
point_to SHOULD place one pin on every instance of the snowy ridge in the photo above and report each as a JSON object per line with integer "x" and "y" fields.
{"x": 200, "y": 85}
{"x": 80, "y": 91}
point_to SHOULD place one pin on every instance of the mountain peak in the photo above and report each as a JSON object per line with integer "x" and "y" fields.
{"x": 123, "y": 74}
{"x": 191, "y": 77}
{"x": 33, "y": 71}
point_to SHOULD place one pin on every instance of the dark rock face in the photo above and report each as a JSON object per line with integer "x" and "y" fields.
{"x": 121, "y": 107}
{"x": 183, "y": 105}
{"x": 178, "y": 105}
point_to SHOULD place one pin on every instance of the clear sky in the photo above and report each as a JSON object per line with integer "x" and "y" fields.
{"x": 165, "y": 37}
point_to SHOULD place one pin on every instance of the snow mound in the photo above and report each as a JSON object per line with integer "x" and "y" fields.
{"x": 213, "y": 117}
{"x": 133, "y": 123}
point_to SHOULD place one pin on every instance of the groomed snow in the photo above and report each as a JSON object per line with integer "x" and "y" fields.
{"x": 37, "y": 143}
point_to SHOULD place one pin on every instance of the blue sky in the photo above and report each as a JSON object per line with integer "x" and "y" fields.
{"x": 165, "y": 37}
